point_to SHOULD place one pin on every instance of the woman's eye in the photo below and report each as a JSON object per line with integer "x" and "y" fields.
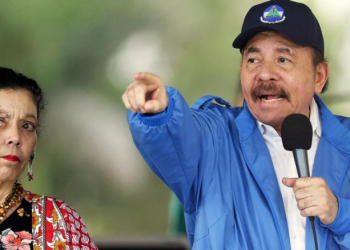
{"x": 29, "y": 126}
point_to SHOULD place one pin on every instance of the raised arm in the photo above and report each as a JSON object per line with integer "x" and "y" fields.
{"x": 165, "y": 132}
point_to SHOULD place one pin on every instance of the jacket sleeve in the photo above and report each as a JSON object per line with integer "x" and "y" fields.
{"x": 169, "y": 142}
{"x": 341, "y": 225}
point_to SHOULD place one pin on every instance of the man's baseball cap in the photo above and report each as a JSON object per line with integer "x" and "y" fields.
{"x": 293, "y": 20}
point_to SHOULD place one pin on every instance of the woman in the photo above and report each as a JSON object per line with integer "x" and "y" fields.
{"x": 27, "y": 220}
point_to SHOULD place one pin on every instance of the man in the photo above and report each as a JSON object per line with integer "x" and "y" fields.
{"x": 228, "y": 166}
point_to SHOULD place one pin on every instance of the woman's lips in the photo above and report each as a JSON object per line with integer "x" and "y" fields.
{"x": 13, "y": 158}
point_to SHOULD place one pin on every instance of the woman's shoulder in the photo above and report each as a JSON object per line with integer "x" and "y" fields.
{"x": 61, "y": 217}
{"x": 52, "y": 202}
{"x": 56, "y": 205}
{"x": 48, "y": 202}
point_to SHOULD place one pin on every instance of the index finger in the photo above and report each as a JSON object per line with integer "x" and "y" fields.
{"x": 147, "y": 78}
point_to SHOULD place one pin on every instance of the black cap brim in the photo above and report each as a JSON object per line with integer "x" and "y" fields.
{"x": 244, "y": 37}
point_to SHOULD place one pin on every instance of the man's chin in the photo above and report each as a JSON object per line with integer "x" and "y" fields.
{"x": 271, "y": 119}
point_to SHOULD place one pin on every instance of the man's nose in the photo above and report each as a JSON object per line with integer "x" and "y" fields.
{"x": 268, "y": 71}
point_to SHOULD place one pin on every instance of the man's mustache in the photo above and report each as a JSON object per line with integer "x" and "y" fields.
{"x": 269, "y": 87}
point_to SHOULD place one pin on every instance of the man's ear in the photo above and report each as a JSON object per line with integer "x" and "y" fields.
{"x": 321, "y": 76}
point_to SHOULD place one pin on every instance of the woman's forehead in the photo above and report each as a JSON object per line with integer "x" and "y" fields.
{"x": 17, "y": 100}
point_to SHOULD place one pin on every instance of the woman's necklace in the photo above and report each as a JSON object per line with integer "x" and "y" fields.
{"x": 11, "y": 200}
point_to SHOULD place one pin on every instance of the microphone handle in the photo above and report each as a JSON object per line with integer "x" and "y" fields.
{"x": 302, "y": 162}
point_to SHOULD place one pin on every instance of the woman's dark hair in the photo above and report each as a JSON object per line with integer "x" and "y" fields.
{"x": 9, "y": 79}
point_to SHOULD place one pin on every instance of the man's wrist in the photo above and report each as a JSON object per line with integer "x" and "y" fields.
{"x": 341, "y": 224}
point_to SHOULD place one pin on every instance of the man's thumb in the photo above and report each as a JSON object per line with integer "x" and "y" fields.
{"x": 289, "y": 182}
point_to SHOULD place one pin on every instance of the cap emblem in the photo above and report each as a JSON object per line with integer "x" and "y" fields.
{"x": 273, "y": 14}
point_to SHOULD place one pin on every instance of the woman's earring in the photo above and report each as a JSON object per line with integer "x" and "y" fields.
{"x": 30, "y": 167}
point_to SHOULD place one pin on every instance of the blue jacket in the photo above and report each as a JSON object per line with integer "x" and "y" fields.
{"x": 215, "y": 160}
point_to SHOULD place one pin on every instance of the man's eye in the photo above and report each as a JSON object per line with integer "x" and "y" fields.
{"x": 252, "y": 60}
{"x": 283, "y": 60}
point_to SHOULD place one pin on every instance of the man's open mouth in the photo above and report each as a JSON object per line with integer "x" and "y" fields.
{"x": 269, "y": 92}
{"x": 271, "y": 98}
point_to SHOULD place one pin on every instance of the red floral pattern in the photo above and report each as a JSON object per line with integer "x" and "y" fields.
{"x": 57, "y": 225}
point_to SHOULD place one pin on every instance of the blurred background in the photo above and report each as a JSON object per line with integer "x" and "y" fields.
{"x": 84, "y": 54}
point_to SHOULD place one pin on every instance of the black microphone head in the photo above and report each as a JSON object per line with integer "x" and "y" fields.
{"x": 296, "y": 132}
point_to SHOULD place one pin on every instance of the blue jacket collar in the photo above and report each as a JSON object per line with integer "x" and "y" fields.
{"x": 332, "y": 129}
{"x": 245, "y": 123}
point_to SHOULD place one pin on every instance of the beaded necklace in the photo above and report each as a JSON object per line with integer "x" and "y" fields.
{"x": 11, "y": 200}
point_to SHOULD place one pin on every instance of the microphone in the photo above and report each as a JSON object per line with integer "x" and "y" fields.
{"x": 296, "y": 133}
